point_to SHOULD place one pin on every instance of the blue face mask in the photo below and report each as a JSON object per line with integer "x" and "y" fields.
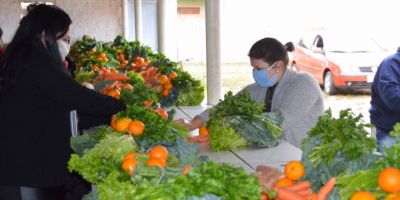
{"x": 262, "y": 77}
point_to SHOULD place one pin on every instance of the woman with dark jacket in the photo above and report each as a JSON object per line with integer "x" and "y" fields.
{"x": 37, "y": 94}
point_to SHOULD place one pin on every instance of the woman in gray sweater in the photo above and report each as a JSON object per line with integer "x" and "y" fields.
{"x": 296, "y": 95}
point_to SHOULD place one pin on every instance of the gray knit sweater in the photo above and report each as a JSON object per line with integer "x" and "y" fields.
{"x": 299, "y": 99}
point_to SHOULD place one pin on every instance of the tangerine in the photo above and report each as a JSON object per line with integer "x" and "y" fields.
{"x": 113, "y": 119}
{"x": 131, "y": 155}
{"x": 362, "y": 195}
{"x": 163, "y": 79}
{"x": 172, "y": 75}
{"x": 159, "y": 152}
{"x": 129, "y": 165}
{"x": 389, "y": 180}
{"x": 294, "y": 170}
{"x": 121, "y": 125}
{"x": 283, "y": 182}
{"x": 203, "y": 131}
{"x": 136, "y": 128}
{"x": 153, "y": 162}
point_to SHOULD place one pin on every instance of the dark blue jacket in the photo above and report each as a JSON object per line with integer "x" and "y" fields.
{"x": 385, "y": 97}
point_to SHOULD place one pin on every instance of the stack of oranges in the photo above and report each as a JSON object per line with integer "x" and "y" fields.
{"x": 388, "y": 181}
{"x": 125, "y": 124}
{"x": 158, "y": 157}
{"x": 165, "y": 81}
{"x": 130, "y": 162}
{"x": 294, "y": 170}
{"x": 102, "y": 57}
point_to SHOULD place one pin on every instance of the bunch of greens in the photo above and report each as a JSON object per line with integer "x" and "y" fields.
{"x": 88, "y": 140}
{"x": 104, "y": 158}
{"x": 238, "y": 122}
{"x": 205, "y": 179}
{"x": 85, "y": 53}
{"x": 337, "y": 146}
{"x": 346, "y": 135}
{"x": 157, "y": 130}
{"x": 140, "y": 93}
{"x": 366, "y": 180}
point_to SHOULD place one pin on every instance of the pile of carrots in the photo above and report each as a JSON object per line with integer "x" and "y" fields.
{"x": 114, "y": 89}
{"x": 289, "y": 187}
{"x": 302, "y": 191}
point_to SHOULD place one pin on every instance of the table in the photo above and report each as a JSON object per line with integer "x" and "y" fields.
{"x": 248, "y": 158}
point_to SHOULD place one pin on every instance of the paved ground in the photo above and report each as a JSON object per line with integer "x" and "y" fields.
{"x": 236, "y": 76}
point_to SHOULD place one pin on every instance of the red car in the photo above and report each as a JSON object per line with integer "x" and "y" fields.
{"x": 338, "y": 62}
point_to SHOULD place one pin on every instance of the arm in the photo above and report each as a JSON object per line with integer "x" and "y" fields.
{"x": 58, "y": 85}
{"x": 389, "y": 84}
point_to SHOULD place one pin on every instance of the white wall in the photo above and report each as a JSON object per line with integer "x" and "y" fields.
{"x": 101, "y": 19}
{"x": 9, "y": 18}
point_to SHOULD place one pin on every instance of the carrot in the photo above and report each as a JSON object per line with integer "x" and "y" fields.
{"x": 326, "y": 189}
{"x": 299, "y": 186}
{"x": 286, "y": 194}
{"x": 305, "y": 193}
{"x": 186, "y": 169}
{"x": 116, "y": 77}
{"x": 147, "y": 104}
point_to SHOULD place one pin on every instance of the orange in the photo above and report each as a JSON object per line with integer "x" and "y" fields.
{"x": 203, "y": 130}
{"x": 168, "y": 86}
{"x": 127, "y": 86}
{"x": 389, "y": 180}
{"x": 113, "y": 119}
{"x": 165, "y": 93}
{"x": 161, "y": 112}
{"x": 139, "y": 59}
{"x": 186, "y": 169}
{"x": 136, "y": 128}
{"x": 294, "y": 170}
{"x": 163, "y": 79}
{"x": 153, "y": 162}
{"x": 129, "y": 165}
{"x": 159, "y": 152}
{"x": 172, "y": 75}
{"x": 361, "y": 195}
{"x": 283, "y": 182}
{"x": 131, "y": 155}
{"x": 114, "y": 93}
{"x": 121, "y": 125}
{"x": 392, "y": 196}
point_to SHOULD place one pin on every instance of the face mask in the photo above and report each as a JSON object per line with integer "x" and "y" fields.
{"x": 262, "y": 77}
{"x": 63, "y": 47}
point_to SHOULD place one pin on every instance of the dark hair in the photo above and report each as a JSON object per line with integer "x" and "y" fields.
{"x": 1, "y": 33}
{"x": 51, "y": 20}
{"x": 270, "y": 50}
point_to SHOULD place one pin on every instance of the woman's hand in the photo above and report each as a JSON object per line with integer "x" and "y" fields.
{"x": 194, "y": 124}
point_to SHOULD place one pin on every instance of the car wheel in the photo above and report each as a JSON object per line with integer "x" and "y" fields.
{"x": 329, "y": 87}
{"x": 293, "y": 67}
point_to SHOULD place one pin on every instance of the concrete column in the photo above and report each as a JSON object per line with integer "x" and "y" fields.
{"x": 167, "y": 20}
{"x": 161, "y": 21}
{"x": 213, "y": 53}
{"x": 125, "y": 28}
{"x": 138, "y": 20}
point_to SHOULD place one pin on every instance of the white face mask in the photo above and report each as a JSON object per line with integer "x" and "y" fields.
{"x": 63, "y": 47}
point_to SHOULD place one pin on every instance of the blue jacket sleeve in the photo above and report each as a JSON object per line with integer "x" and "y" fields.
{"x": 389, "y": 84}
